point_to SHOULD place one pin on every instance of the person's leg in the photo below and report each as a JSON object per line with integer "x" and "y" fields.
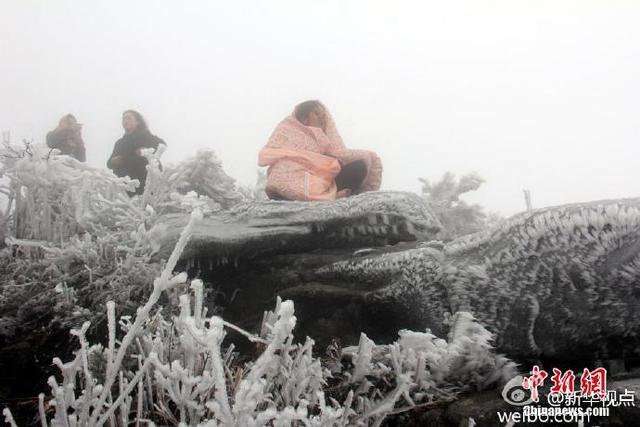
{"x": 351, "y": 176}
{"x": 272, "y": 195}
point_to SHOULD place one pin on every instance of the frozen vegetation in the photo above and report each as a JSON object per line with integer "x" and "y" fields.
{"x": 79, "y": 255}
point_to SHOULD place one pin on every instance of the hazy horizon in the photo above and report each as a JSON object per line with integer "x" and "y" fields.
{"x": 543, "y": 96}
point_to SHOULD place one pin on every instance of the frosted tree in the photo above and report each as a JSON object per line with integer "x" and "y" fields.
{"x": 457, "y": 216}
{"x": 204, "y": 175}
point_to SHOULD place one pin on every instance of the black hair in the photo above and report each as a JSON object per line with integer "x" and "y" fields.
{"x": 66, "y": 118}
{"x": 142, "y": 124}
{"x": 302, "y": 110}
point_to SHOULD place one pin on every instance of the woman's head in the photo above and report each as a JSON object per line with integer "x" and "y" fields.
{"x": 67, "y": 120}
{"x": 132, "y": 120}
{"x": 311, "y": 113}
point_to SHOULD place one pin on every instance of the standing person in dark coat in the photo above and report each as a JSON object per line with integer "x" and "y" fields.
{"x": 67, "y": 138}
{"x": 127, "y": 158}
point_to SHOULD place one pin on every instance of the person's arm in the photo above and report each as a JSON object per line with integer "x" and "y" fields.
{"x": 58, "y": 138}
{"x": 318, "y": 164}
{"x": 115, "y": 160}
{"x": 81, "y": 152}
{"x": 77, "y": 144}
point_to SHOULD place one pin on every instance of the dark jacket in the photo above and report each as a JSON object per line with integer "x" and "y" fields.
{"x": 68, "y": 141}
{"x": 131, "y": 164}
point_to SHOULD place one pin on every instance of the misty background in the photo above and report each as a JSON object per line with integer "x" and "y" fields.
{"x": 540, "y": 95}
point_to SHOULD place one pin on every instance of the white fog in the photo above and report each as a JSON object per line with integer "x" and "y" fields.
{"x": 535, "y": 95}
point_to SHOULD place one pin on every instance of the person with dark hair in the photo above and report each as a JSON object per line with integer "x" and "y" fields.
{"x": 127, "y": 158}
{"x": 308, "y": 161}
{"x": 67, "y": 137}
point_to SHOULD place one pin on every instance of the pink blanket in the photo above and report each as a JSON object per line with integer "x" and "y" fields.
{"x": 304, "y": 161}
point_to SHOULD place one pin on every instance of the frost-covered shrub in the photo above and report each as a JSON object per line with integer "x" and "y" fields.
{"x": 184, "y": 380}
{"x": 52, "y": 197}
{"x": 425, "y": 368}
{"x": 178, "y": 372}
{"x": 458, "y": 217}
{"x": 73, "y": 227}
{"x": 257, "y": 191}
{"x": 203, "y": 175}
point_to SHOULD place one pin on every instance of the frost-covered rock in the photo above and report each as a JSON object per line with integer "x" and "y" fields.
{"x": 258, "y": 228}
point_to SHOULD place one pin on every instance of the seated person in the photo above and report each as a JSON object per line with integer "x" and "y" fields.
{"x": 67, "y": 138}
{"x": 308, "y": 161}
{"x": 127, "y": 158}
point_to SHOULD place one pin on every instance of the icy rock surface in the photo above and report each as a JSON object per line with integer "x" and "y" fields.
{"x": 257, "y": 228}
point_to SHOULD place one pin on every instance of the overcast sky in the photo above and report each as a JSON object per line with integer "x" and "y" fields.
{"x": 543, "y": 95}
